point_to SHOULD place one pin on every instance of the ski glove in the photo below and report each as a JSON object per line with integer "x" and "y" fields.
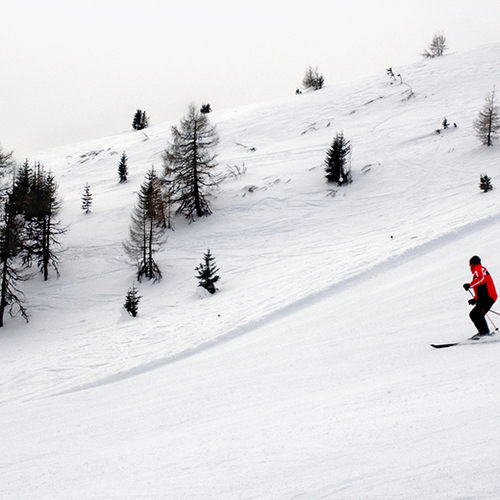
{"x": 472, "y": 302}
{"x": 466, "y": 287}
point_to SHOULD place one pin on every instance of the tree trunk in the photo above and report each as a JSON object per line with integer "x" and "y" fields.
{"x": 45, "y": 249}
{"x": 150, "y": 271}
{"x": 3, "y": 291}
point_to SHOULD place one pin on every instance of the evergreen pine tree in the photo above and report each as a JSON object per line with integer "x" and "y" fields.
{"x": 485, "y": 183}
{"x": 12, "y": 240}
{"x": 86, "y": 198}
{"x": 33, "y": 199}
{"x": 336, "y": 160}
{"x": 189, "y": 163}
{"x": 205, "y": 108}
{"x": 19, "y": 198}
{"x": 487, "y": 125}
{"x": 11, "y": 245}
{"x": 42, "y": 227}
{"x": 147, "y": 229}
{"x": 123, "y": 168}
{"x": 313, "y": 79}
{"x": 207, "y": 270}
{"x": 141, "y": 121}
{"x": 132, "y": 301}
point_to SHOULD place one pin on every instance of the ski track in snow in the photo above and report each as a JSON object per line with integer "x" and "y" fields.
{"x": 286, "y": 310}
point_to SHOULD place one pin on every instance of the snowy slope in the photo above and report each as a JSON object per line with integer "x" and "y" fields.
{"x": 309, "y": 374}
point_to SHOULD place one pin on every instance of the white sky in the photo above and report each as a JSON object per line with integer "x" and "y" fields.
{"x": 73, "y": 70}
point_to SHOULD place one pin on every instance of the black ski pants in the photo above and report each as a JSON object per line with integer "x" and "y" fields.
{"x": 478, "y": 313}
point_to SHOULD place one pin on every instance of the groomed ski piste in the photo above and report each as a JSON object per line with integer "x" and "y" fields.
{"x": 309, "y": 374}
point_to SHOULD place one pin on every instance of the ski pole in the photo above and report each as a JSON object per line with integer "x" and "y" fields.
{"x": 496, "y": 329}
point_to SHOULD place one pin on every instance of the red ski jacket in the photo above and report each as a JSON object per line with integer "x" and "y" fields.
{"x": 482, "y": 283}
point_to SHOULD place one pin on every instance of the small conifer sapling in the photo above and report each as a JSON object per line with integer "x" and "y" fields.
{"x": 485, "y": 183}
{"x": 86, "y": 199}
{"x": 132, "y": 300}
{"x": 336, "y": 161}
{"x": 123, "y": 169}
{"x": 207, "y": 273}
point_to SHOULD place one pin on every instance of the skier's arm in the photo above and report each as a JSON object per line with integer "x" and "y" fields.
{"x": 479, "y": 278}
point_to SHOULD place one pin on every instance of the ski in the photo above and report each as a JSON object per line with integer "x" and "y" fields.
{"x": 471, "y": 340}
{"x": 441, "y": 346}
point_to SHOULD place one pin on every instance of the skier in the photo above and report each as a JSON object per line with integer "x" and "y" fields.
{"x": 485, "y": 295}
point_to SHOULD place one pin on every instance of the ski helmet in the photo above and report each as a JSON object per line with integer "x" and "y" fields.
{"x": 474, "y": 260}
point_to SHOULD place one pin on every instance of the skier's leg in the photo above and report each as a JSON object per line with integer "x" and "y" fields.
{"x": 477, "y": 315}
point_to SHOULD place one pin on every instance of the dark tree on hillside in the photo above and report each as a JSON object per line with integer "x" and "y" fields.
{"x": 11, "y": 245}
{"x": 12, "y": 239}
{"x": 46, "y": 229}
{"x": 123, "y": 168}
{"x": 34, "y": 199}
{"x": 140, "y": 121}
{"x": 19, "y": 198}
{"x": 189, "y": 161}
{"x": 205, "y": 108}
{"x": 313, "y": 79}
{"x": 487, "y": 125}
{"x": 147, "y": 232}
{"x": 336, "y": 161}
{"x": 485, "y": 183}
{"x": 132, "y": 300}
{"x": 207, "y": 273}
{"x": 86, "y": 199}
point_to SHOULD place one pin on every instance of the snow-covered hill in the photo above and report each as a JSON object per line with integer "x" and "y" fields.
{"x": 309, "y": 373}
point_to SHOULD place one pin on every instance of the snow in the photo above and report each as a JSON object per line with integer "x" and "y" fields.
{"x": 309, "y": 374}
